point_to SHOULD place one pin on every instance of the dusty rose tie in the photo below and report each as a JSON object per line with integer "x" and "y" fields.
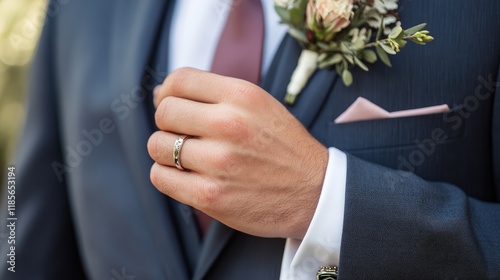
{"x": 239, "y": 53}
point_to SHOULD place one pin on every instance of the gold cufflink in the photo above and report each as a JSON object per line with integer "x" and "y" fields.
{"x": 329, "y": 272}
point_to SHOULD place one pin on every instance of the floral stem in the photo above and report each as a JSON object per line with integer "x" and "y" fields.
{"x": 307, "y": 65}
{"x": 385, "y": 41}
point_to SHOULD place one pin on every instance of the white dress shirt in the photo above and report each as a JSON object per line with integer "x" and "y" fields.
{"x": 195, "y": 31}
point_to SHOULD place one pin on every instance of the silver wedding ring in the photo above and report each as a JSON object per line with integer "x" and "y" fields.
{"x": 177, "y": 151}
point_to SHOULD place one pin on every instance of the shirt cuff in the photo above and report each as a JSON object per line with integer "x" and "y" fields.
{"x": 321, "y": 243}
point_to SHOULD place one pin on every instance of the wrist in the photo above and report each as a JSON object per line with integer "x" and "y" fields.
{"x": 311, "y": 193}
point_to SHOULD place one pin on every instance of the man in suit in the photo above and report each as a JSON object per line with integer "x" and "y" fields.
{"x": 419, "y": 195}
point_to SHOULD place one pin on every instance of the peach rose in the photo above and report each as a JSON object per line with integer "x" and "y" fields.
{"x": 333, "y": 15}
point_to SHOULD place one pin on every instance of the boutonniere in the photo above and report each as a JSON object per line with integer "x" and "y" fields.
{"x": 342, "y": 34}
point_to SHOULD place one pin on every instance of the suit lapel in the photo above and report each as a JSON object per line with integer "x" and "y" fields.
{"x": 135, "y": 29}
{"x": 216, "y": 238}
{"x": 312, "y": 98}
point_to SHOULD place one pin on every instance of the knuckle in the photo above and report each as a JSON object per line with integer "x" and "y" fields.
{"x": 247, "y": 92}
{"x": 209, "y": 195}
{"x": 178, "y": 79}
{"x": 162, "y": 114}
{"x": 232, "y": 125}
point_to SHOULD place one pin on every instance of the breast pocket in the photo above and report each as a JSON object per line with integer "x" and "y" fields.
{"x": 395, "y": 132}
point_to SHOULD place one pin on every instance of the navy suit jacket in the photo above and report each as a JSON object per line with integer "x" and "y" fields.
{"x": 422, "y": 193}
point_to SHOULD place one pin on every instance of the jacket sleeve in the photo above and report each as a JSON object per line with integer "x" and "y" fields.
{"x": 45, "y": 245}
{"x": 399, "y": 226}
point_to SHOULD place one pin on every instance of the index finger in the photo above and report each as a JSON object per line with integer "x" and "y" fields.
{"x": 200, "y": 86}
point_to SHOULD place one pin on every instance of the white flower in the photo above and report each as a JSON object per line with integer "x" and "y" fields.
{"x": 374, "y": 21}
{"x": 383, "y": 6}
{"x": 358, "y": 34}
{"x": 334, "y": 15}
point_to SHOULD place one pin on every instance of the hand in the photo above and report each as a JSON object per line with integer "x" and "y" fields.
{"x": 253, "y": 166}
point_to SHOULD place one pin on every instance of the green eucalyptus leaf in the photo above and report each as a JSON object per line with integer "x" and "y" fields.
{"x": 368, "y": 35}
{"x": 334, "y": 45}
{"x": 340, "y": 68}
{"x": 416, "y": 41}
{"x": 370, "y": 56}
{"x": 396, "y": 32}
{"x": 296, "y": 16}
{"x": 282, "y": 13}
{"x": 349, "y": 58}
{"x": 380, "y": 28}
{"x": 402, "y": 43}
{"x": 323, "y": 65}
{"x": 323, "y": 56}
{"x": 400, "y": 37}
{"x": 300, "y": 4}
{"x": 383, "y": 56}
{"x": 360, "y": 64}
{"x": 323, "y": 46}
{"x": 345, "y": 64}
{"x": 347, "y": 77}
{"x": 345, "y": 48}
{"x": 387, "y": 49}
{"x": 298, "y": 34}
{"x": 359, "y": 44}
{"x": 332, "y": 60}
{"x": 336, "y": 58}
{"x": 415, "y": 28}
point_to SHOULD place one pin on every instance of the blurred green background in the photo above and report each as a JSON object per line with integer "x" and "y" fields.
{"x": 20, "y": 25}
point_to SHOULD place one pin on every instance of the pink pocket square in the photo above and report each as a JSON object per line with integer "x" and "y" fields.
{"x": 362, "y": 110}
